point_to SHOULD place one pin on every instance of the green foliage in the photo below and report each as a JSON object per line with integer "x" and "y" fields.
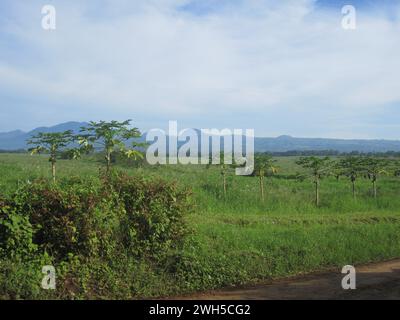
{"x": 110, "y": 136}
{"x": 224, "y": 168}
{"x": 375, "y": 167}
{"x": 264, "y": 165}
{"x": 319, "y": 168}
{"x": 72, "y": 217}
{"x": 155, "y": 210}
{"x": 351, "y": 166}
{"x": 145, "y": 217}
{"x": 21, "y": 277}
{"x": 240, "y": 240}
{"x": 86, "y": 228}
{"x": 16, "y": 233}
{"x": 51, "y": 143}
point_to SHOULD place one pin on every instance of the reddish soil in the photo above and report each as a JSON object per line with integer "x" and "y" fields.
{"x": 373, "y": 281}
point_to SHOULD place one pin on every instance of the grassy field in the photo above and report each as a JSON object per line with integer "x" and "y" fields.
{"x": 239, "y": 239}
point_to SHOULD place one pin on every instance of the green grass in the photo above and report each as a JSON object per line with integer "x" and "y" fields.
{"x": 243, "y": 240}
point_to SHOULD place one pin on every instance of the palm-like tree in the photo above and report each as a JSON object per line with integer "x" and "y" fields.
{"x": 111, "y": 136}
{"x": 223, "y": 167}
{"x": 264, "y": 164}
{"x": 351, "y": 167}
{"x": 319, "y": 168}
{"x": 51, "y": 143}
{"x": 375, "y": 167}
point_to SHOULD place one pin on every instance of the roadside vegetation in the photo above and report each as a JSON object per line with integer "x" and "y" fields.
{"x": 114, "y": 227}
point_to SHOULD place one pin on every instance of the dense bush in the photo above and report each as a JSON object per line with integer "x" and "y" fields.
{"x": 144, "y": 217}
{"x": 16, "y": 232}
{"x": 101, "y": 223}
{"x": 154, "y": 220}
{"x": 73, "y": 217}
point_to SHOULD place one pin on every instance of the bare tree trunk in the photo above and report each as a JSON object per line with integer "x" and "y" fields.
{"x": 224, "y": 183}
{"x": 108, "y": 159}
{"x": 53, "y": 171}
{"x": 374, "y": 189}
{"x": 262, "y": 187}
{"x": 354, "y": 188}
{"x": 317, "y": 192}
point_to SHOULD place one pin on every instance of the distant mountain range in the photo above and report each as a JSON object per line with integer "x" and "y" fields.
{"x": 288, "y": 143}
{"x": 16, "y": 140}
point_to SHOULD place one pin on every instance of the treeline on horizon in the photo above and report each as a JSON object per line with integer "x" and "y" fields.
{"x": 289, "y": 153}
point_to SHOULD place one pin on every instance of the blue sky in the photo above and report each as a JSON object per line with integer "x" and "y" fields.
{"x": 280, "y": 67}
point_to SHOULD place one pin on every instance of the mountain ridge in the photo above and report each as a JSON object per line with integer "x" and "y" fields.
{"x": 16, "y": 140}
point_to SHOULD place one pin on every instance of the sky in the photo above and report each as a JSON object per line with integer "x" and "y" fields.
{"x": 283, "y": 67}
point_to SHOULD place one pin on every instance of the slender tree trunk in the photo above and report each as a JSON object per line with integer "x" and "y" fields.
{"x": 354, "y": 188}
{"x": 108, "y": 159}
{"x": 262, "y": 187}
{"x": 53, "y": 171}
{"x": 224, "y": 183}
{"x": 317, "y": 192}
{"x": 374, "y": 189}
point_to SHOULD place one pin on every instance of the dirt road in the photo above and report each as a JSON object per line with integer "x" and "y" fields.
{"x": 373, "y": 281}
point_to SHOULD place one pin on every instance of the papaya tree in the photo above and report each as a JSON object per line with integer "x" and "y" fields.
{"x": 223, "y": 168}
{"x": 224, "y": 172}
{"x": 337, "y": 171}
{"x": 110, "y": 137}
{"x": 351, "y": 167}
{"x": 52, "y": 143}
{"x": 264, "y": 164}
{"x": 375, "y": 167}
{"x": 318, "y": 168}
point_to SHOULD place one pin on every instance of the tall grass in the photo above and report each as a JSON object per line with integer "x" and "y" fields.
{"x": 240, "y": 239}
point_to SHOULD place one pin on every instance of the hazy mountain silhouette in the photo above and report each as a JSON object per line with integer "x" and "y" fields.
{"x": 15, "y": 140}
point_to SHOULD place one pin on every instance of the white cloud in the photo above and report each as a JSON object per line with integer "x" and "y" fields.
{"x": 149, "y": 57}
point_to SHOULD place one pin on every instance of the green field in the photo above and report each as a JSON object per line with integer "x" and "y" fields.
{"x": 239, "y": 239}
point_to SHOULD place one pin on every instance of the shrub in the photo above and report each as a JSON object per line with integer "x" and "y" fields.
{"x": 106, "y": 238}
{"x": 15, "y": 233}
{"x": 117, "y": 215}
{"x": 68, "y": 217}
{"x": 154, "y": 221}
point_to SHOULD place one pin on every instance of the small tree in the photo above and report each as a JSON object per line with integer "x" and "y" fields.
{"x": 51, "y": 143}
{"x": 263, "y": 165}
{"x": 224, "y": 172}
{"x": 110, "y": 137}
{"x": 337, "y": 171}
{"x": 319, "y": 168}
{"x": 224, "y": 169}
{"x": 374, "y": 167}
{"x": 351, "y": 167}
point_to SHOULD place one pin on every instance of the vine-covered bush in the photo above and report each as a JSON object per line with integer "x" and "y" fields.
{"x": 117, "y": 215}
{"x": 73, "y": 217}
{"x": 16, "y": 232}
{"x": 154, "y": 220}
